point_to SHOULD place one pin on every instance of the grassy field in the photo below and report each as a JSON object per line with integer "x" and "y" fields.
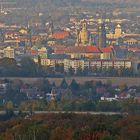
{"x": 115, "y": 80}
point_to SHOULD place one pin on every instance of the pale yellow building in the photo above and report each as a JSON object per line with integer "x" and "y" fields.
{"x": 42, "y": 52}
{"x": 23, "y": 31}
{"x": 9, "y": 52}
{"x": 117, "y": 33}
{"x": 45, "y": 62}
{"x": 83, "y": 36}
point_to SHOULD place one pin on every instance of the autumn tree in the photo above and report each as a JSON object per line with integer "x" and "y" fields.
{"x": 57, "y": 134}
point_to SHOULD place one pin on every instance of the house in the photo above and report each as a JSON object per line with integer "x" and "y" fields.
{"x": 57, "y": 93}
{"x": 11, "y": 34}
{"x": 110, "y": 99}
{"x": 53, "y": 59}
{"x": 53, "y": 95}
{"x": 137, "y": 98}
{"x": 131, "y": 40}
{"x": 89, "y": 52}
{"x": 101, "y": 90}
{"x": 3, "y": 88}
{"x": 124, "y": 95}
{"x": 79, "y": 52}
{"x": 32, "y": 92}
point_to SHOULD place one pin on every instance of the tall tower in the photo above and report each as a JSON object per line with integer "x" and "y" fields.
{"x": 84, "y": 35}
{"x": 118, "y": 31}
{"x": 77, "y": 30}
{"x": 84, "y": 26}
{"x": 51, "y": 28}
{"x": 101, "y": 42}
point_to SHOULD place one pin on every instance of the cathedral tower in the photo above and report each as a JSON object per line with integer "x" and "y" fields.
{"x": 101, "y": 41}
{"x": 83, "y": 34}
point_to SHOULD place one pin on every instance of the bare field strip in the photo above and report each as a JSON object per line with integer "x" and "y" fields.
{"x": 115, "y": 80}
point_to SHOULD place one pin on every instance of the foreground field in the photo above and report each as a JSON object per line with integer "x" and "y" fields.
{"x": 115, "y": 80}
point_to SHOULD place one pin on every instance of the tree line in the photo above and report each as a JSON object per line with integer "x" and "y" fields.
{"x": 70, "y": 97}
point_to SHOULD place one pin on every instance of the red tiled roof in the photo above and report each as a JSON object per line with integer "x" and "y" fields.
{"x": 92, "y": 49}
{"x": 106, "y": 50}
{"x": 34, "y": 51}
{"x": 58, "y": 46}
{"x": 60, "y": 35}
{"x": 88, "y": 49}
{"x": 59, "y": 49}
{"x": 122, "y": 95}
{"x": 81, "y": 49}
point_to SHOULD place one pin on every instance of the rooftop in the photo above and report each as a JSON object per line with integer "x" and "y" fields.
{"x": 60, "y": 35}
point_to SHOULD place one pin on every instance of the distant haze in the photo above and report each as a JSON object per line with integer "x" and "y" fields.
{"x": 115, "y": 1}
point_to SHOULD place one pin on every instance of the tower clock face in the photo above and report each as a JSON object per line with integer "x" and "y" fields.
{"x": 84, "y": 25}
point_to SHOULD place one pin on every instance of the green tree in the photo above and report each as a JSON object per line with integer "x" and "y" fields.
{"x": 64, "y": 84}
{"x": 59, "y": 68}
{"x": 71, "y": 71}
{"x": 9, "y": 106}
{"x": 43, "y": 84}
{"x": 79, "y": 71}
{"x": 28, "y": 67}
{"x": 57, "y": 134}
{"x": 33, "y": 105}
{"x": 74, "y": 85}
{"x": 85, "y": 71}
{"x": 108, "y": 106}
{"x": 107, "y": 137}
{"x": 8, "y": 67}
{"x": 52, "y": 105}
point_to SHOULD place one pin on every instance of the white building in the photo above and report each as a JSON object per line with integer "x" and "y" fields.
{"x": 75, "y": 64}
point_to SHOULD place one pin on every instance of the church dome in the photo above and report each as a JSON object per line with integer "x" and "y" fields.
{"x": 118, "y": 26}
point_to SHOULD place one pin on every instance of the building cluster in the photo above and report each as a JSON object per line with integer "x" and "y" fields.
{"x": 84, "y": 43}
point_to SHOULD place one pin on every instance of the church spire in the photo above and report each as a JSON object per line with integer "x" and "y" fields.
{"x": 77, "y": 31}
{"x": 51, "y": 28}
{"x": 84, "y": 25}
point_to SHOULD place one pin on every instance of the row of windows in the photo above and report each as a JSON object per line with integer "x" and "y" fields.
{"x": 116, "y": 66}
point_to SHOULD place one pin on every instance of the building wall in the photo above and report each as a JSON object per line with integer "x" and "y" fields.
{"x": 75, "y": 64}
{"x": 105, "y": 56}
{"x": 116, "y": 34}
{"x": 86, "y": 55}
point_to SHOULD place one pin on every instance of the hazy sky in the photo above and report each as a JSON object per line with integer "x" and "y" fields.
{"x": 126, "y": 1}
